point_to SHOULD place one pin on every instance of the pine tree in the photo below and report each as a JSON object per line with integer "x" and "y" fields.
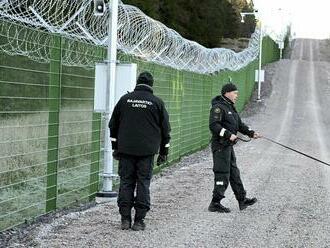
{"x": 203, "y": 21}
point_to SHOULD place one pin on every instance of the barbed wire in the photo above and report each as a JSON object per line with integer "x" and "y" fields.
{"x": 16, "y": 39}
{"x": 138, "y": 35}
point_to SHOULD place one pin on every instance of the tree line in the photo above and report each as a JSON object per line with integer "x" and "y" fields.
{"x": 204, "y": 21}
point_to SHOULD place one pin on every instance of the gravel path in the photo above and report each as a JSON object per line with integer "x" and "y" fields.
{"x": 293, "y": 191}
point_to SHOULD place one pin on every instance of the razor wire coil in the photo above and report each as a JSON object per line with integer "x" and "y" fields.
{"x": 138, "y": 35}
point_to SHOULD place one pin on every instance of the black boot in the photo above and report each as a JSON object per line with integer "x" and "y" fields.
{"x": 126, "y": 217}
{"x": 218, "y": 207}
{"x": 125, "y": 224}
{"x": 246, "y": 202}
{"x": 139, "y": 225}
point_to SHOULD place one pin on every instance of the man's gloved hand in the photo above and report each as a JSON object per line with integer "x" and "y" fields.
{"x": 115, "y": 155}
{"x": 161, "y": 159}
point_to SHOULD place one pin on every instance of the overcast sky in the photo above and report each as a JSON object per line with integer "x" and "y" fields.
{"x": 310, "y": 19}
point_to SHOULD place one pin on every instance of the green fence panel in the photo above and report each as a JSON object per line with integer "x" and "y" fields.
{"x": 174, "y": 110}
{"x": 206, "y": 105}
{"x": 191, "y": 112}
{"x": 79, "y": 137}
{"x": 270, "y": 50}
{"x": 53, "y": 122}
{"x": 95, "y": 157}
{"x": 24, "y": 128}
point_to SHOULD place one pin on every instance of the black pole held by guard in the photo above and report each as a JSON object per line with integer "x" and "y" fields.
{"x": 304, "y": 154}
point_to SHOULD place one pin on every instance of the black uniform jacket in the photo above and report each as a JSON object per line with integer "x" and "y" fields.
{"x": 225, "y": 121}
{"x": 140, "y": 124}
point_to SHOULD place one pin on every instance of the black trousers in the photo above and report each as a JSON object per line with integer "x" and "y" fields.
{"x": 225, "y": 172}
{"x": 135, "y": 174}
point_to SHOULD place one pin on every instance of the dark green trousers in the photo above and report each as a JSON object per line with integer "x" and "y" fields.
{"x": 225, "y": 172}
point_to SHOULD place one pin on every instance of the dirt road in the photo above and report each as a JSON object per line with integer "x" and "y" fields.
{"x": 293, "y": 191}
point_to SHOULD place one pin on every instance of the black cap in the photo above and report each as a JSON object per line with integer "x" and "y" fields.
{"x": 228, "y": 88}
{"x": 145, "y": 78}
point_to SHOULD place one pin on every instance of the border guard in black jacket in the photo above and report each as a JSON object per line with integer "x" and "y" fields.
{"x": 139, "y": 127}
{"x": 224, "y": 124}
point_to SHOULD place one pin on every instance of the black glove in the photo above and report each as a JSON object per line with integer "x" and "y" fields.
{"x": 114, "y": 143}
{"x": 115, "y": 155}
{"x": 161, "y": 159}
{"x": 251, "y": 133}
{"x": 163, "y": 150}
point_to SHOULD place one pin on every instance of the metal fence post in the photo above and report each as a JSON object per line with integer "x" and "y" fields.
{"x": 54, "y": 94}
{"x": 108, "y": 174}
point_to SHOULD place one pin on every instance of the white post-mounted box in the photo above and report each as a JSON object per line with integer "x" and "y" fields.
{"x": 262, "y": 75}
{"x": 100, "y": 87}
{"x": 125, "y": 82}
{"x": 125, "y": 79}
{"x": 281, "y": 45}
